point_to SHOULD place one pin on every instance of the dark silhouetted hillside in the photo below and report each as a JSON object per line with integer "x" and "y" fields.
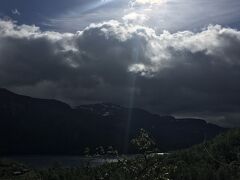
{"x": 39, "y": 126}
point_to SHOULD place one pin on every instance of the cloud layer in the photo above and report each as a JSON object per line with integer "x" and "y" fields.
{"x": 184, "y": 73}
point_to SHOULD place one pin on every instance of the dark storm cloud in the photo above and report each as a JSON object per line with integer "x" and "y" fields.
{"x": 181, "y": 73}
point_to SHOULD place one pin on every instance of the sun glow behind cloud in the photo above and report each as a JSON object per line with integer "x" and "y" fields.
{"x": 143, "y": 11}
{"x": 148, "y": 2}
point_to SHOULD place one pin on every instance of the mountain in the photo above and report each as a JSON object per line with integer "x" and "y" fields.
{"x": 42, "y": 126}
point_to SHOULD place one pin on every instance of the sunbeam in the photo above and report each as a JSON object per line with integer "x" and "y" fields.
{"x": 133, "y": 78}
{"x": 92, "y": 6}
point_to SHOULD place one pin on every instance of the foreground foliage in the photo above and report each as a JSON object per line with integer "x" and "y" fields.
{"x": 218, "y": 159}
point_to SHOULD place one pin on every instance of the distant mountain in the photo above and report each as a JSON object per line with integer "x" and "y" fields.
{"x": 40, "y": 126}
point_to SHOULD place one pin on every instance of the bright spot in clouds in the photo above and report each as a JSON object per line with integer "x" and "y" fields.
{"x": 146, "y": 2}
{"x": 141, "y": 10}
{"x": 135, "y": 18}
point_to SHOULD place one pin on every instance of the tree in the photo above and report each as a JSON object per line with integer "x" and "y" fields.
{"x": 100, "y": 151}
{"x": 144, "y": 144}
{"x": 87, "y": 152}
{"x": 111, "y": 151}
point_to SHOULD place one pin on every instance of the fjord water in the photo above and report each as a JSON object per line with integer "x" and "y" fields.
{"x": 35, "y": 161}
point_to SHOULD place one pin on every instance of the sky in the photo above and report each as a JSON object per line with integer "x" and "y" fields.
{"x": 171, "y": 57}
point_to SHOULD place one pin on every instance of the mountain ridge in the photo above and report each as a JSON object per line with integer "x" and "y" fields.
{"x": 42, "y": 126}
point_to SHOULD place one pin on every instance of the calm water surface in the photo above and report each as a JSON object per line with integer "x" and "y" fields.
{"x": 67, "y": 161}
{"x": 63, "y": 161}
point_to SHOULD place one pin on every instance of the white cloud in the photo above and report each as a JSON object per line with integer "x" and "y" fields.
{"x": 212, "y": 42}
{"x": 16, "y": 12}
{"x": 10, "y": 29}
{"x": 135, "y": 18}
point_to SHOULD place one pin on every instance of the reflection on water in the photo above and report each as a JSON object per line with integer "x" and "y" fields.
{"x": 70, "y": 161}
{"x": 63, "y": 161}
